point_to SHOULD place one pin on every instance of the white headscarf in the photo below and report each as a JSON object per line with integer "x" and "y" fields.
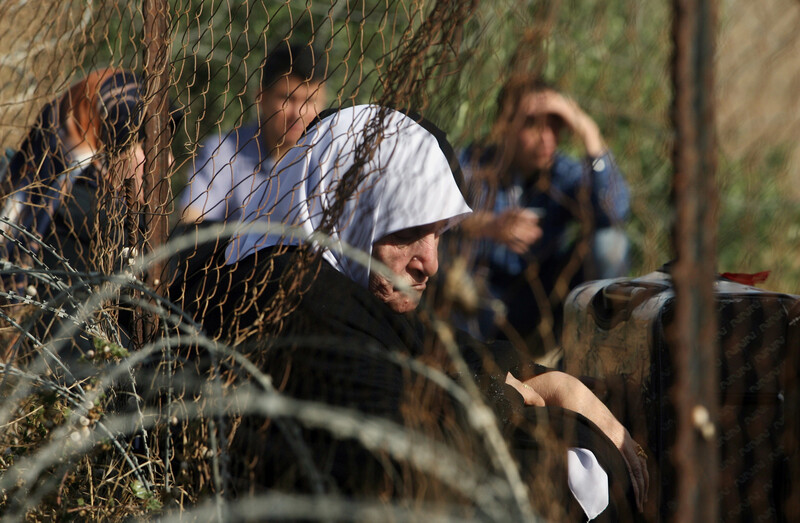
{"x": 406, "y": 182}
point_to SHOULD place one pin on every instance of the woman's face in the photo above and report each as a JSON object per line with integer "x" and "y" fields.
{"x": 536, "y": 129}
{"x": 412, "y": 255}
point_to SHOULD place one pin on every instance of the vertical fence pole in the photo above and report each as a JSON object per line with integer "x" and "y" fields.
{"x": 694, "y": 331}
{"x": 157, "y": 189}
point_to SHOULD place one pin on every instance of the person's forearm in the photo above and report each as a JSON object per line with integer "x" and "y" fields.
{"x": 592, "y": 138}
{"x": 611, "y": 197}
{"x": 565, "y": 391}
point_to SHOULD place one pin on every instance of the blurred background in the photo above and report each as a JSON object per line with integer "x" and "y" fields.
{"x": 448, "y": 60}
{"x": 612, "y": 57}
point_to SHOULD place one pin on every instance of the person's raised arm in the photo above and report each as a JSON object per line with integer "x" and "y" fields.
{"x": 610, "y": 194}
{"x": 575, "y": 118}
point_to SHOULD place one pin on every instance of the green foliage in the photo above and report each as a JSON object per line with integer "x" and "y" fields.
{"x": 151, "y": 502}
{"x": 759, "y": 220}
{"x": 108, "y": 349}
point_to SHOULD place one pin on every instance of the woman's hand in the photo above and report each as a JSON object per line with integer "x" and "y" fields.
{"x": 517, "y": 229}
{"x": 530, "y": 396}
{"x": 575, "y": 118}
{"x": 562, "y": 390}
{"x": 636, "y": 460}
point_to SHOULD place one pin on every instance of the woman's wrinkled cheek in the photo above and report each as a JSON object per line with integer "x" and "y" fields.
{"x": 396, "y": 300}
{"x": 380, "y": 287}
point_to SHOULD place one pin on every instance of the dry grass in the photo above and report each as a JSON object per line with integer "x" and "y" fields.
{"x": 44, "y": 49}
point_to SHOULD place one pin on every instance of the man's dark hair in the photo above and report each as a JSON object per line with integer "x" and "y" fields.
{"x": 291, "y": 60}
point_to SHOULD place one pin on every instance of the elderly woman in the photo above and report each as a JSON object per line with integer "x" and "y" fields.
{"x": 323, "y": 322}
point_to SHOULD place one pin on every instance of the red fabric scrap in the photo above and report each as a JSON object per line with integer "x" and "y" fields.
{"x": 746, "y": 279}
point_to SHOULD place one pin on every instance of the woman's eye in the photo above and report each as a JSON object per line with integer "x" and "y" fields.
{"x": 404, "y": 237}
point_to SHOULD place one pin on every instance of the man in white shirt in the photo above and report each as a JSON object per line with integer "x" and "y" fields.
{"x": 230, "y": 167}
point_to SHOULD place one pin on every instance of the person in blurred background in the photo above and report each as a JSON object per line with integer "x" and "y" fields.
{"x": 231, "y": 167}
{"x": 78, "y": 169}
{"x": 72, "y": 196}
{"x": 547, "y": 221}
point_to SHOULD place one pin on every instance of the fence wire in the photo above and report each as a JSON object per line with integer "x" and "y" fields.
{"x": 142, "y": 376}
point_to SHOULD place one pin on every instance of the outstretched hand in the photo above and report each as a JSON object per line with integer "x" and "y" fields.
{"x": 562, "y": 390}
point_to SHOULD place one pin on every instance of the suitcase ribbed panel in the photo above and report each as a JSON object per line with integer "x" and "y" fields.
{"x": 615, "y": 331}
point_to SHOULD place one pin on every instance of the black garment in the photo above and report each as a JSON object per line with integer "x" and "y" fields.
{"x": 532, "y": 300}
{"x": 80, "y": 227}
{"x": 84, "y": 233}
{"x": 335, "y": 347}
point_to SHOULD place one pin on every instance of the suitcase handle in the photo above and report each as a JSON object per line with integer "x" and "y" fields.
{"x": 614, "y": 303}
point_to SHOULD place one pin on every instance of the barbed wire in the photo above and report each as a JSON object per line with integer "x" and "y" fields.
{"x": 77, "y": 234}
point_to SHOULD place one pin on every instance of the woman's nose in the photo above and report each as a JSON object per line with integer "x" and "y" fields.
{"x": 549, "y": 136}
{"x": 426, "y": 255}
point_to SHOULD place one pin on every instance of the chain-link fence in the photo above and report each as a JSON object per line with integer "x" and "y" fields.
{"x": 151, "y": 369}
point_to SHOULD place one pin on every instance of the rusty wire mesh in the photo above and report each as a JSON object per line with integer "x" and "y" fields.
{"x": 108, "y": 414}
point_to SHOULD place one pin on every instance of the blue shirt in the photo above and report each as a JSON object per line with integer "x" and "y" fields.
{"x": 592, "y": 189}
{"x": 228, "y": 170}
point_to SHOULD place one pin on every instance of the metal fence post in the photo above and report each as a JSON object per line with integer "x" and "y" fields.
{"x": 157, "y": 189}
{"x": 694, "y": 331}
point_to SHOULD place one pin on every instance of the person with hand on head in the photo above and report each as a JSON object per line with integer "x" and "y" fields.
{"x": 547, "y": 221}
{"x": 377, "y": 181}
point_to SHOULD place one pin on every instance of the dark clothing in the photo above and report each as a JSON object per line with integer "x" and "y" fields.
{"x": 571, "y": 192}
{"x": 82, "y": 232}
{"x": 340, "y": 345}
